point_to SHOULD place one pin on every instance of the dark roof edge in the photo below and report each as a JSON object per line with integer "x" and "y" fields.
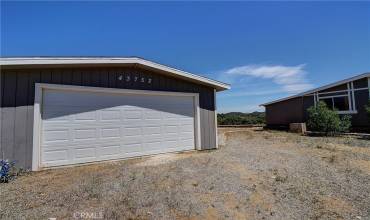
{"x": 10, "y": 62}
{"x": 363, "y": 75}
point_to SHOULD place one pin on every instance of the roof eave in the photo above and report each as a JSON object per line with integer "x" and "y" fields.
{"x": 13, "y": 63}
{"x": 354, "y": 78}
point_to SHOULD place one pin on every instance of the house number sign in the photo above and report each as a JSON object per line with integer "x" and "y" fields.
{"x": 141, "y": 79}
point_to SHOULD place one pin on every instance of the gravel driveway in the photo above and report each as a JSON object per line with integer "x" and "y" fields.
{"x": 255, "y": 175}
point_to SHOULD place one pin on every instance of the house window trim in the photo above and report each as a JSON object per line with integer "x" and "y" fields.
{"x": 353, "y": 97}
{"x": 350, "y": 94}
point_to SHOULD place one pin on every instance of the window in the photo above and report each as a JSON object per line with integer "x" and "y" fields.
{"x": 342, "y": 101}
{"x": 328, "y": 102}
{"x": 339, "y": 103}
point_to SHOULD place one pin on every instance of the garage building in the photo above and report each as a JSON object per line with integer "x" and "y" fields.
{"x": 66, "y": 111}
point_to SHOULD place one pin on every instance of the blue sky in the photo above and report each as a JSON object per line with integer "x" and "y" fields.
{"x": 266, "y": 50}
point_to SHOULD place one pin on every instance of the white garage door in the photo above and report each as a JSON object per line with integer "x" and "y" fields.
{"x": 79, "y": 127}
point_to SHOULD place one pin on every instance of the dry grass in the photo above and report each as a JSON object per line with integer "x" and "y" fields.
{"x": 255, "y": 175}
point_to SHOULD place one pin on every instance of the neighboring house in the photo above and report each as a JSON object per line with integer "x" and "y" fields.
{"x": 66, "y": 111}
{"x": 348, "y": 96}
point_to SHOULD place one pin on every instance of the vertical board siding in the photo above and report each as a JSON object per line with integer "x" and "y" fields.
{"x": 211, "y": 116}
{"x": 360, "y": 83}
{"x": 77, "y": 78}
{"x": 56, "y": 76}
{"x": 207, "y": 131}
{"x": 111, "y": 78}
{"x": 33, "y": 77}
{"x": 66, "y": 77}
{"x": 8, "y": 114}
{"x": 18, "y": 93}
{"x": 361, "y": 119}
{"x": 1, "y": 111}
{"x": 119, "y": 78}
{"x": 104, "y": 78}
{"x": 285, "y": 112}
{"x": 86, "y": 78}
{"x": 95, "y": 78}
{"x": 20, "y": 125}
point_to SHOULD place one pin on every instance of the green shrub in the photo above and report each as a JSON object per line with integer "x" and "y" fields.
{"x": 323, "y": 119}
{"x": 367, "y": 108}
{"x": 345, "y": 123}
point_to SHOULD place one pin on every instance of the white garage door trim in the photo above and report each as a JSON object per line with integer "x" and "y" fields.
{"x": 39, "y": 87}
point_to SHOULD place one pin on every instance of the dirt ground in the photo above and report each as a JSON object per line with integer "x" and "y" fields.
{"x": 255, "y": 175}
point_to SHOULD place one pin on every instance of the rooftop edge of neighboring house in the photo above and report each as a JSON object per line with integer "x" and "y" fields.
{"x": 354, "y": 78}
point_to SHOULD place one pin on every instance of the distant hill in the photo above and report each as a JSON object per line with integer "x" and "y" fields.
{"x": 240, "y": 118}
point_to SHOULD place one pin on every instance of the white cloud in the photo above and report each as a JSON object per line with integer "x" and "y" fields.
{"x": 290, "y": 78}
{"x": 249, "y": 93}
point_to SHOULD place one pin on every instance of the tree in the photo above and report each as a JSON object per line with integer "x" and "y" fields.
{"x": 239, "y": 118}
{"x": 323, "y": 119}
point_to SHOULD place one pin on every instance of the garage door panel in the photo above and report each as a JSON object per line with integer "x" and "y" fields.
{"x": 170, "y": 121}
{"x": 132, "y": 132}
{"x": 185, "y": 121}
{"x": 56, "y": 115}
{"x": 170, "y": 136}
{"x": 81, "y": 143}
{"x": 137, "y": 139}
{"x": 110, "y": 115}
{"x": 170, "y": 129}
{"x": 71, "y": 112}
{"x": 186, "y": 135}
{"x": 152, "y": 130}
{"x": 131, "y": 148}
{"x": 186, "y": 128}
{"x": 152, "y": 141}
{"x": 133, "y": 114}
{"x": 80, "y": 127}
{"x": 151, "y": 123}
{"x": 81, "y": 160}
{"x": 84, "y": 134}
{"x": 56, "y": 98}
{"x": 153, "y": 145}
{"x": 56, "y": 135}
{"x": 109, "y": 150}
{"x": 84, "y": 152}
{"x": 152, "y": 114}
{"x": 186, "y": 142}
{"x": 87, "y": 125}
{"x": 56, "y": 155}
{"x": 110, "y": 132}
{"x": 170, "y": 143}
{"x": 85, "y": 116}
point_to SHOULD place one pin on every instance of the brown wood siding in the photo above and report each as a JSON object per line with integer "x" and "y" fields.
{"x": 361, "y": 119}
{"x": 308, "y": 101}
{"x": 336, "y": 88}
{"x": 360, "y": 83}
{"x": 285, "y": 112}
{"x": 18, "y": 93}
